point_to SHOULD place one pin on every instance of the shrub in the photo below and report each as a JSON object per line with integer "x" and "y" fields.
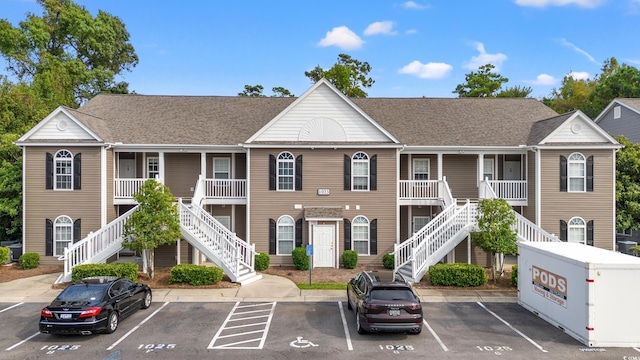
{"x": 388, "y": 261}
{"x": 350, "y": 259}
{"x": 29, "y": 260}
{"x": 262, "y": 261}
{"x": 4, "y": 254}
{"x": 123, "y": 270}
{"x": 195, "y": 275}
{"x": 457, "y": 274}
{"x": 514, "y": 275}
{"x": 300, "y": 258}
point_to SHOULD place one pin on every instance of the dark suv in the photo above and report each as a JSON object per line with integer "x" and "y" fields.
{"x": 384, "y": 302}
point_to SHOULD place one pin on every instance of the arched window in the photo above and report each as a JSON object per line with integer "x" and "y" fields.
{"x": 577, "y": 231}
{"x": 286, "y": 171}
{"x": 285, "y": 235}
{"x": 360, "y": 171}
{"x": 62, "y": 234}
{"x": 360, "y": 235}
{"x": 577, "y": 172}
{"x": 63, "y": 165}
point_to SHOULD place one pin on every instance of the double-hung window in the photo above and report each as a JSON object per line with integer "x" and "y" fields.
{"x": 285, "y": 235}
{"x": 360, "y": 235}
{"x": 286, "y": 171}
{"x": 577, "y": 172}
{"x": 420, "y": 169}
{"x": 488, "y": 169}
{"x": 64, "y": 170}
{"x": 360, "y": 171}
{"x": 62, "y": 234}
{"x": 221, "y": 168}
{"x": 153, "y": 167}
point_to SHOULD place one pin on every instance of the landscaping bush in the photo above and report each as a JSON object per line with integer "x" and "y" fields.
{"x": 350, "y": 259}
{"x": 457, "y": 274}
{"x": 262, "y": 261}
{"x": 195, "y": 275}
{"x": 388, "y": 261}
{"x": 514, "y": 275}
{"x": 29, "y": 260}
{"x": 4, "y": 254}
{"x": 300, "y": 258}
{"x": 123, "y": 270}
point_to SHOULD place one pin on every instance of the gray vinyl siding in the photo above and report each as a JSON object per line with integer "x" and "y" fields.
{"x": 323, "y": 168}
{"x": 42, "y": 204}
{"x": 461, "y": 173}
{"x": 628, "y": 124}
{"x": 181, "y": 173}
{"x": 596, "y": 205}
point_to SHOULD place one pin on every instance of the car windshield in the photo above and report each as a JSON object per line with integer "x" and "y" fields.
{"x": 392, "y": 294}
{"x": 82, "y": 293}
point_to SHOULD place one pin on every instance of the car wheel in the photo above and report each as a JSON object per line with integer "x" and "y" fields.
{"x": 112, "y": 323}
{"x": 146, "y": 302}
{"x": 358, "y": 326}
{"x": 349, "y": 302}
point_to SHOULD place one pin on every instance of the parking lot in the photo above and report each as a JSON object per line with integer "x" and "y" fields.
{"x": 172, "y": 330}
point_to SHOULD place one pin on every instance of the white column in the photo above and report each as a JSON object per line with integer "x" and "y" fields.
{"x": 161, "y": 166}
{"x": 203, "y": 164}
{"x": 440, "y": 166}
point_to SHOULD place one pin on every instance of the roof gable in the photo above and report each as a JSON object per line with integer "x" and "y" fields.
{"x": 633, "y": 104}
{"x": 60, "y": 125}
{"x": 322, "y": 114}
{"x": 575, "y": 127}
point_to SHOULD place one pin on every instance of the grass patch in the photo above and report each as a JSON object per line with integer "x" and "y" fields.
{"x": 322, "y": 286}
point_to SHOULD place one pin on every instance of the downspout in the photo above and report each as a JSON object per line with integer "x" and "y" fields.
{"x": 24, "y": 203}
{"x": 538, "y": 191}
{"x": 615, "y": 152}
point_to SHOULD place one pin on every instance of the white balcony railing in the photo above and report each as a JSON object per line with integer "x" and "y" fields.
{"x": 419, "y": 189}
{"x": 124, "y": 188}
{"x": 225, "y": 188}
{"x": 509, "y": 189}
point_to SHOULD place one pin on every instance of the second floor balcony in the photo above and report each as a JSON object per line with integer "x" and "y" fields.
{"x": 215, "y": 191}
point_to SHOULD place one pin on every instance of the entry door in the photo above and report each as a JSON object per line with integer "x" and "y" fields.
{"x": 512, "y": 170}
{"x": 127, "y": 169}
{"x": 323, "y": 239}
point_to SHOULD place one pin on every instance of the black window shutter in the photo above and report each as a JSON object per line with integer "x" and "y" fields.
{"x": 590, "y": 233}
{"x": 299, "y": 173}
{"x": 590, "y": 173}
{"x": 77, "y": 171}
{"x": 563, "y": 173}
{"x": 347, "y": 234}
{"x": 373, "y": 237}
{"x": 272, "y": 237}
{"x": 299, "y": 232}
{"x": 49, "y": 171}
{"x": 373, "y": 173}
{"x": 563, "y": 230}
{"x": 77, "y": 230}
{"x": 272, "y": 172}
{"x": 347, "y": 173}
{"x": 48, "y": 237}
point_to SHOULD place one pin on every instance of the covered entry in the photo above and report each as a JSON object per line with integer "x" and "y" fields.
{"x": 323, "y": 224}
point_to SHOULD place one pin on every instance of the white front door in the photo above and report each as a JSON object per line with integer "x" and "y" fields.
{"x": 512, "y": 170}
{"x": 323, "y": 240}
{"x": 127, "y": 169}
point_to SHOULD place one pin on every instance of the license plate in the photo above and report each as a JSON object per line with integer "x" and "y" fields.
{"x": 394, "y": 312}
{"x": 65, "y": 316}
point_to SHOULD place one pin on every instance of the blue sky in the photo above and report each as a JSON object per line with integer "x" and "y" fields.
{"x": 415, "y": 48}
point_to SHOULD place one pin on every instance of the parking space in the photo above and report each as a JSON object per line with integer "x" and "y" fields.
{"x": 314, "y": 330}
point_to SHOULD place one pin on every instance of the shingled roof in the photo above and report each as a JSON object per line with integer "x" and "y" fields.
{"x": 215, "y": 120}
{"x": 631, "y": 102}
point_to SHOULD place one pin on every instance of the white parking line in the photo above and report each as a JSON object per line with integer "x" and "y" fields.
{"x": 22, "y": 342}
{"x": 11, "y": 307}
{"x": 239, "y": 314}
{"x": 512, "y": 328}
{"x": 435, "y": 336}
{"x": 137, "y": 326}
{"x": 344, "y": 325}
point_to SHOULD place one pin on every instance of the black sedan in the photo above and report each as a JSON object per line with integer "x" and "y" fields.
{"x": 94, "y": 305}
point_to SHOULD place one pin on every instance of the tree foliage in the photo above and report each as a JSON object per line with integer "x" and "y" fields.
{"x": 155, "y": 222}
{"x": 256, "y": 91}
{"x": 67, "y": 54}
{"x": 483, "y": 83}
{"x": 573, "y": 94}
{"x": 515, "y": 92}
{"x": 348, "y": 75}
{"x": 628, "y": 185}
{"x": 496, "y": 235}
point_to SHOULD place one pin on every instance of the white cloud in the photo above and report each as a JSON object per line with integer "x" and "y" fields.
{"x": 485, "y": 58}
{"x": 578, "y": 50}
{"x": 543, "y": 79}
{"x": 579, "y": 75}
{"x": 380, "y": 27}
{"x": 413, "y": 5}
{"x": 543, "y": 3}
{"x": 633, "y": 61}
{"x": 426, "y": 71}
{"x": 414, "y": 31}
{"x": 343, "y": 38}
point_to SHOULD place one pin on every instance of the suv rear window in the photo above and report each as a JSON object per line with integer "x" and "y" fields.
{"x": 392, "y": 294}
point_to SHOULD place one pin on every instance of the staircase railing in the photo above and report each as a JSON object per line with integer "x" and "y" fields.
{"x": 97, "y": 247}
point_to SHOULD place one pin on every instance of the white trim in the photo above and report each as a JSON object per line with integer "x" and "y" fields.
{"x": 614, "y": 102}
{"x": 103, "y": 185}
{"x": 587, "y": 122}
{"x": 54, "y": 113}
{"x": 538, "y": 190}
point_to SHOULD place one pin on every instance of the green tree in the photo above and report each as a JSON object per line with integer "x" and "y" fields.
{"x": 67, "y": 54}
{"x": 496, "y": 235}
{"x": 348, "y": 75}
{"x": 515, "y": 92}
{"x": 256, "y": 91}
{"x": 155, "y": 222}
{"x": 622, "y": 82}
{"x": 482, "y": 83}
{"x": 573, "y": 94}
{"x": 281, "y": 92}
{"x": 627, "y": 185}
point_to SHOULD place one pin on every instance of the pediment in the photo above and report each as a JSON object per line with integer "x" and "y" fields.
{"x": 59, "y": 125}
{"x": 578, "y": 128}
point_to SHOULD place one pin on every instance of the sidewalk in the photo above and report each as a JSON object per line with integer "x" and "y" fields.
{"x": 38, "y": 289}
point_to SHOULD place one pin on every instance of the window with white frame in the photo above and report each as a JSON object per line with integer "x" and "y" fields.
{"x": 360, "y": 171}
{"x": 624, "y": 232}
{"x": 286, "y": 172}
{"x": 153, "y": 167}
{"x": 616, "y": 112}
{"x": 285, "y": 235}
{"x": 420, "y": 169}
{"x": 577, "y": 231}
{"x": 63, "y": 163}
{"x": 360, "y": 235}
{"x": 225, "y": 221}
{"x": 488, "y": 168}
{"x": 221, "y": 168}
{"x": 62, "y": 234}
{"x": 419, "y": 222}
{"x": 577, "y": 172}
